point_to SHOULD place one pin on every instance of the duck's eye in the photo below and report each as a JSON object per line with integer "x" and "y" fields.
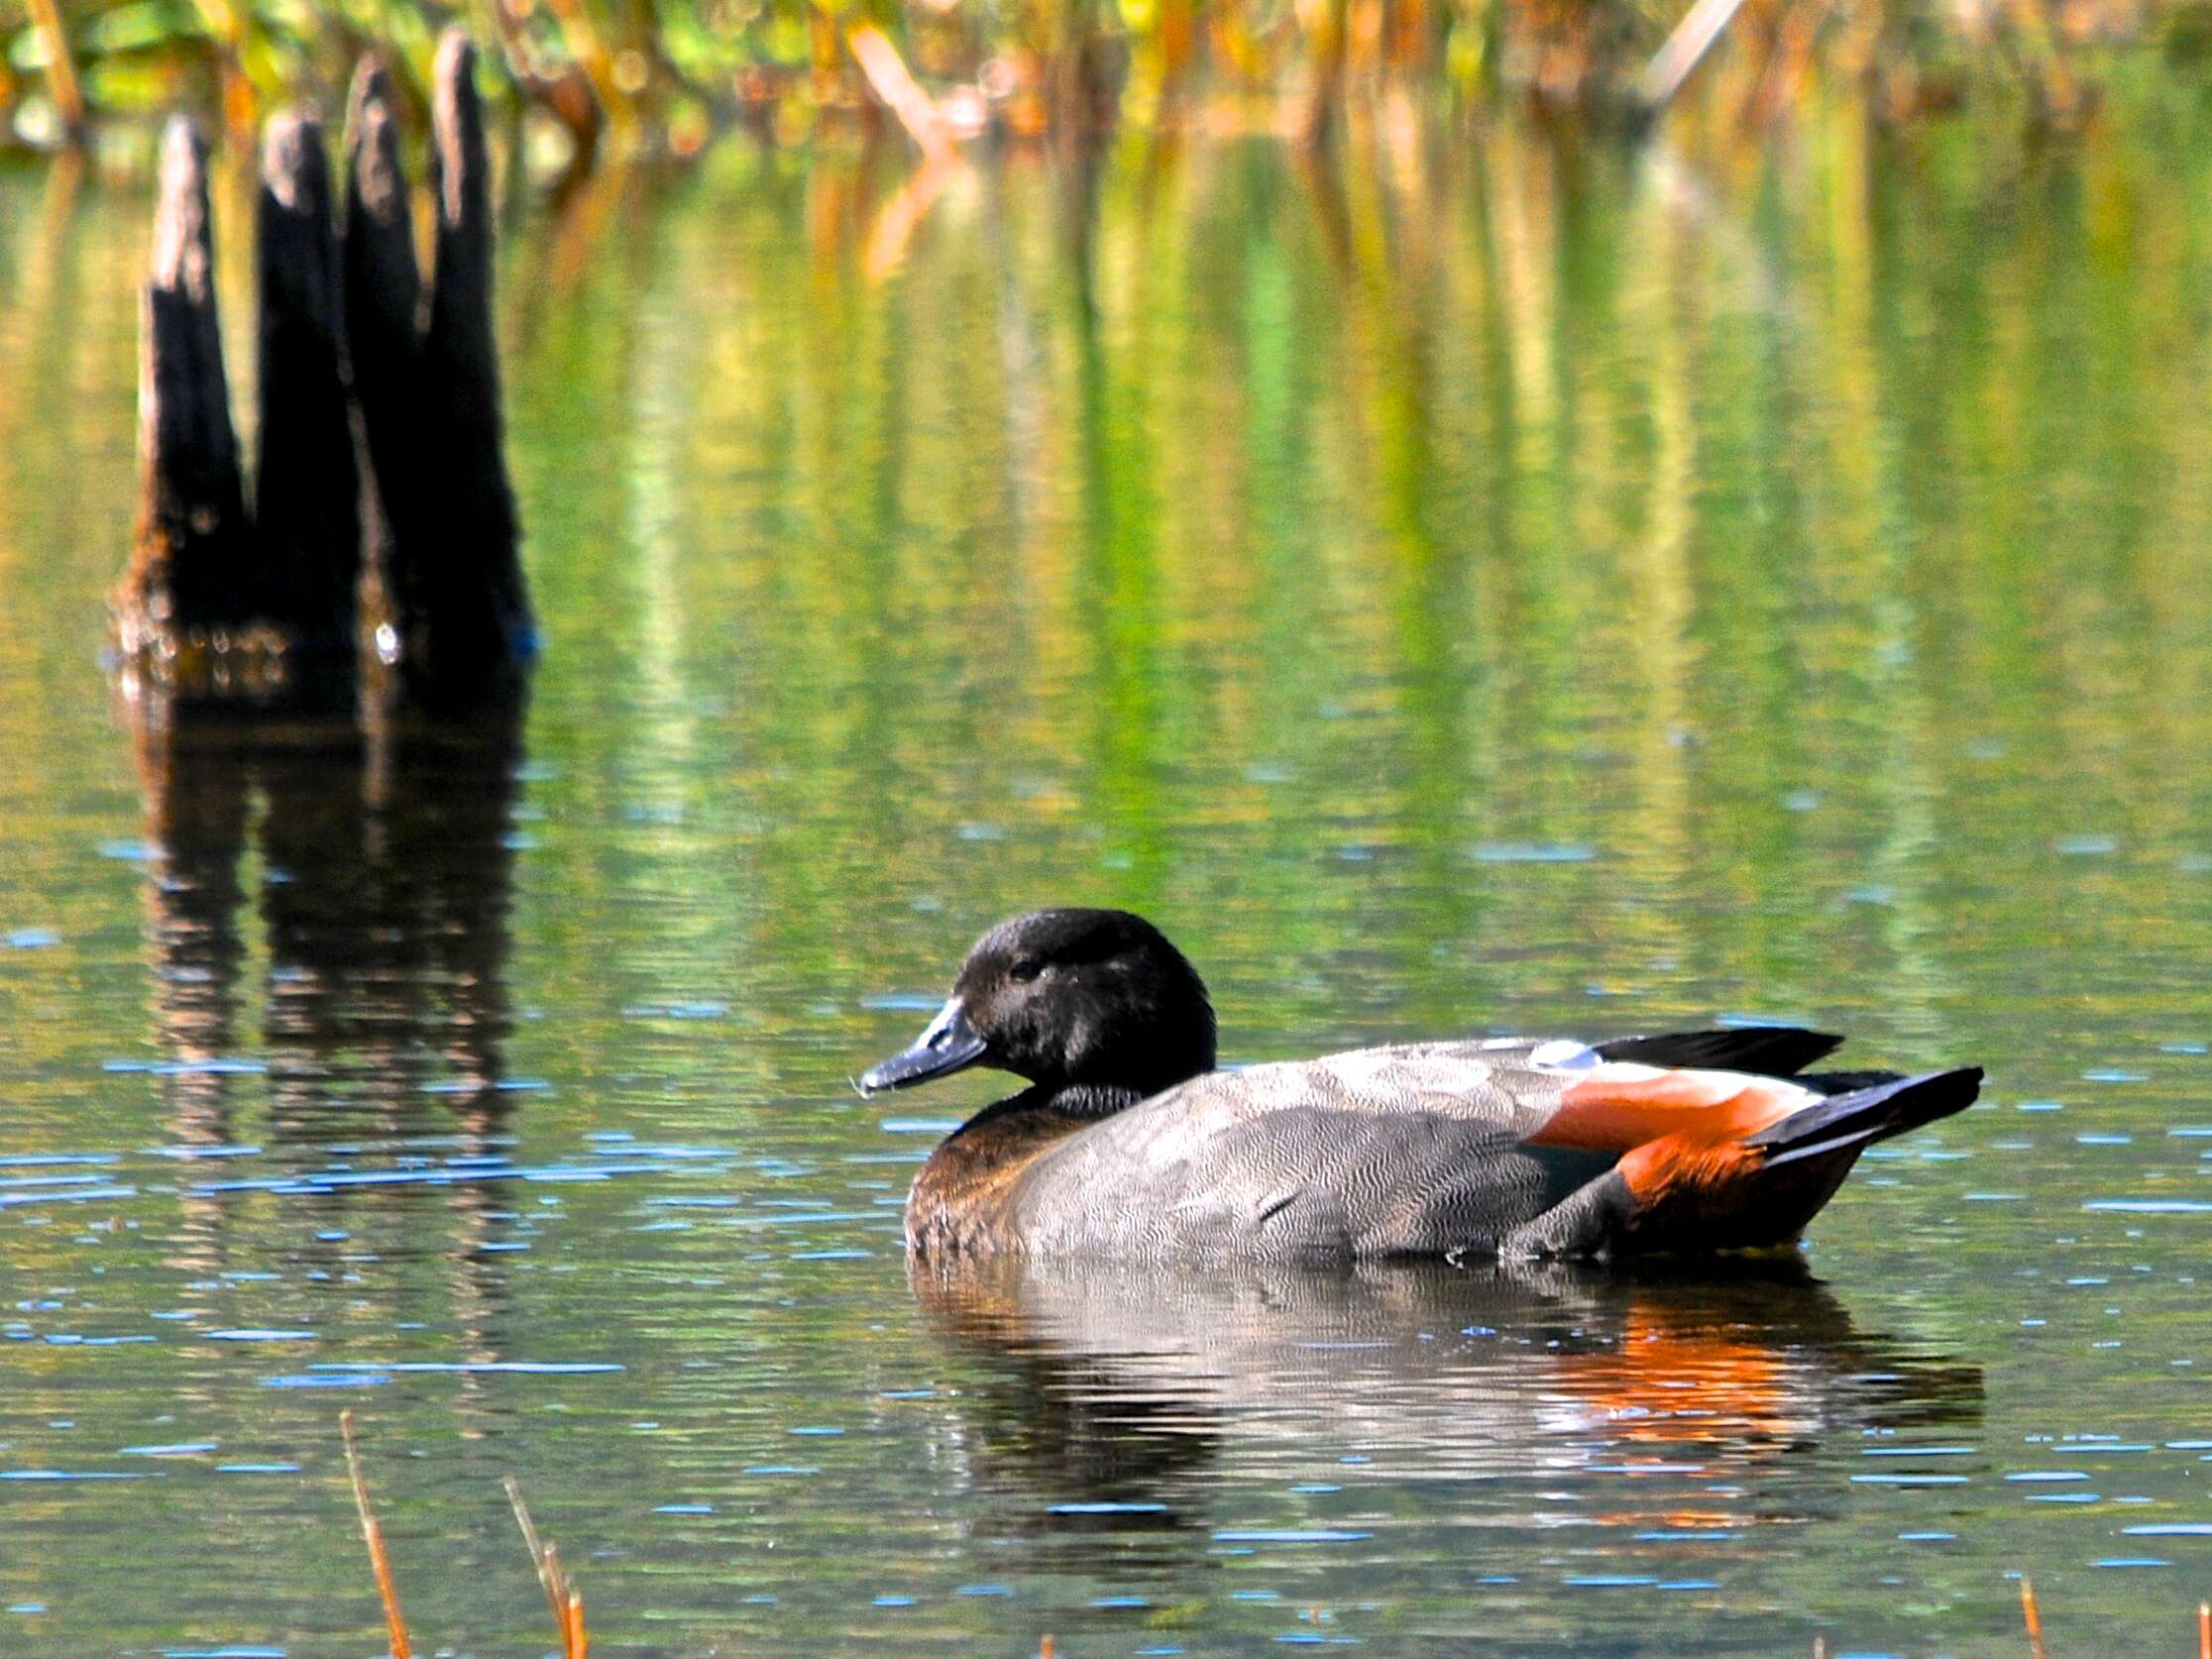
{"x": 1023, "y": 971}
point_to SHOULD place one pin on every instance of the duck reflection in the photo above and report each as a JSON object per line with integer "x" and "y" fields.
{"x": 1557, "y": 1395}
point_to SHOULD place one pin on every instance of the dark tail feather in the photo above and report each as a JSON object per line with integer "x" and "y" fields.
{"x": 1768, "y": 1051}
{"x": 1846, "y": 1082}
{"x": 1867, "y": 1115}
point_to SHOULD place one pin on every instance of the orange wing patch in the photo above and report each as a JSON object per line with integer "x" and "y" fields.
{"x": 1620, "y": 1106}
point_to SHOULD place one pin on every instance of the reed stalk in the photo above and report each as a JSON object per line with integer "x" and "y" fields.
{"x": 667, "y": 79}
{"x": 60, "y": 68}
{"x": 373, "y": 1535}
{"x": 2033, "y": 1616}
{"x": 563, "y": 1597}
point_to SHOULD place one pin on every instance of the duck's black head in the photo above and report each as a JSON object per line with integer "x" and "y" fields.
{"x": 1089, "y": 1001}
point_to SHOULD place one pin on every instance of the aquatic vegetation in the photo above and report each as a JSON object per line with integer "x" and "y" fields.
{"x": 372, "y": 1535}
{"x": 669, "y": 75}
{"x": 564, "y": 1599}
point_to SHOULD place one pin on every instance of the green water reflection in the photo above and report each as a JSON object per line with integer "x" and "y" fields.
{"x": 1467, "y": 583}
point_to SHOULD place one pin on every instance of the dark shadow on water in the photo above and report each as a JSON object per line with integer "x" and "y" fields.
{"x": 1146, "y": 1387}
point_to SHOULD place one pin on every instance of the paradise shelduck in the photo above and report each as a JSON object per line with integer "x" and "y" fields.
{"x": 1129, "y": 1144}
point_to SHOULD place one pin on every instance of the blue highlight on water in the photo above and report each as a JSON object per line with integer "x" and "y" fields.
{"x": 1107, "y": 1507}
{"x": 2085, "y": 846}
{"x": 1532, "y": 852}
{"x": 15, "y": 1199}
{"x": 461, "y": 1174}
{"x": 1287, "y": 1535}
{"x": 473, "y": 1368}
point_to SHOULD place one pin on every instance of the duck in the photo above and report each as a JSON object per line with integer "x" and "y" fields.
{"x": 1129, "y": 1144}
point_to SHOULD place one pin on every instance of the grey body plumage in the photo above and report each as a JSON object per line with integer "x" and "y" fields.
{"x": 1414, "y": 1150}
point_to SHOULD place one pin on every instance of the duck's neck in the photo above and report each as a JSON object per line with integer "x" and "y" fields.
{"x": 1040, "y": 1113}
{"x": 1086, "y": 1102}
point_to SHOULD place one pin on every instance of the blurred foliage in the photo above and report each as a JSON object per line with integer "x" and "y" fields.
{"x": 670, "y": 74}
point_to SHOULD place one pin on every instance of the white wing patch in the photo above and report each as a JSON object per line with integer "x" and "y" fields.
{"x": 1564, "y": 1053}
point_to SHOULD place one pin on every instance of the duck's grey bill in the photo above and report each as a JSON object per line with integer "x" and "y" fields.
{"x": 948, "y": 1043}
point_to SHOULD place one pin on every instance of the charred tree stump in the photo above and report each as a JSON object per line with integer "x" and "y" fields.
{"x": 476, "y": 589}
{"x": 194, "y": 579}
{"x": 380, "y": 430}
{"x": 306, "y": 486}
{"x": 382, "y": 295}
{"x": 443, "y": 532}
{"x": 218, "y": 604}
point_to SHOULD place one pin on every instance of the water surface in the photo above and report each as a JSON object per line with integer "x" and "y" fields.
{"x": 1481, "y": 583}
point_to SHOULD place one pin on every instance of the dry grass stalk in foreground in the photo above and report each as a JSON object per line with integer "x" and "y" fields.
{"x": 566, "y": 1600}
{"x": 373, "y": 1535}
{"x": 2030, "y": 1613}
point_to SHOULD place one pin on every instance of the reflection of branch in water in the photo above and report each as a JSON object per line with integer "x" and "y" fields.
{"x": 194, "y": 779}
{"x": 441, "y": 797}
{"x": 386, "y": 886}
{"x": 1130, "y": 1386}
{"x": 903, "y": 213}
